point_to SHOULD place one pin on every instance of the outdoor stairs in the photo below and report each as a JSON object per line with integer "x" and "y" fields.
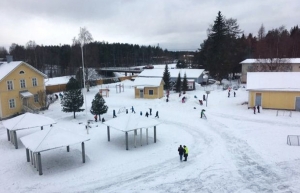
{"x": 31, "y": 109}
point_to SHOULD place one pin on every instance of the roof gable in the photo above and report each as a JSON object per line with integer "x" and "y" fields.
{"x": 7, "y": 68}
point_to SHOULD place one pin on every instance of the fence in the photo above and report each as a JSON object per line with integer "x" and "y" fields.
{"x": 293, "y": 140}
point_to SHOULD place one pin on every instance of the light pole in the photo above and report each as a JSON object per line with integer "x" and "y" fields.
{"x": 83, "y": 76}
{"x": 207, "y": 92}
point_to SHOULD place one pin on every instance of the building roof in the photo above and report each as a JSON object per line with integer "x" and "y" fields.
{"x": 130, "y": 122}
{"x": 190, "y": 73}
{"x": 57, "y": 80}
{"x": 273, "y": 81}
{"x": 51, "y": 139}
{"x": 6, "y": 68}
{"x": 150, "y": 82}
{"x": 259, "y": 61}
{"x": 24, "y": 121}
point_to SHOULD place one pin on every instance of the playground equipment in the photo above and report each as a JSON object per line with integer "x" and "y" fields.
{"x": 105, "y": 90}
{"x": 119, "y": 86}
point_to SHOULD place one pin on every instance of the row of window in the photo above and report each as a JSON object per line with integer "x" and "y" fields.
{"x": 12, "y": 102}
{"x": 10, "y": 85}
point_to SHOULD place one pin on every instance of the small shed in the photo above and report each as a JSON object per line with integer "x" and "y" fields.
{"x": 25, "y": 121}
{"x": 150, "y": 88}
{"x": 132, "y": 122}
{"x": 274, "y": 90}
{"x": 50, "y": 139}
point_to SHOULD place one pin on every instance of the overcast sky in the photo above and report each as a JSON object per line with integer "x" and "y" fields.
{"x": 173, "y": 24}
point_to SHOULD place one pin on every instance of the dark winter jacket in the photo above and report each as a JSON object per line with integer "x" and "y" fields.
{"x": 180, "y": 150}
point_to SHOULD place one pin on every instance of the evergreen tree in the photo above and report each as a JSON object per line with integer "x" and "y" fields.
{"x": 184, "y": 84}
{"x": 73, "y": 98}
{"x": 178, "y": 83}
{"x": 166, "y": 78}
{"x": 98, "y": 106}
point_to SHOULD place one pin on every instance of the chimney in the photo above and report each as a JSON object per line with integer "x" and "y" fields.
{"x": 9, "y": 58}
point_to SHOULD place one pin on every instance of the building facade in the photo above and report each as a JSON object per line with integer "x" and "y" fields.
{"x": 19, "y": 87}
{"x": 274, "y": 90}
{"x": 148, "y": 88}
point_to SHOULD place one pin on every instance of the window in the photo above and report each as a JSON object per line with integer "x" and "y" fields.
{"x": 150, "y": 92}
{"x": 10, "y": 85}
{"x": 12, "y": 103}
{"x": 21, "y": 72}
{"x": 34, "y": 82}
{"x": 36, "y": 98}
{"x": 22, "y": 83}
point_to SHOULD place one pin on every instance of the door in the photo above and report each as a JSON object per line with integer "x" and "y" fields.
{"x": 141, "y": 93}
{"x": 257, "y": 99}
{"x": 297, "y": 105}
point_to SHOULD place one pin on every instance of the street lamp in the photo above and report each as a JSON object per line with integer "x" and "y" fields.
{"x": 207, "y": 92}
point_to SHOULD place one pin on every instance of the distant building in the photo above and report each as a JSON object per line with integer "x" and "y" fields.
{"x": 274, "y": 90}
{"x": 193, "y": 75}
{"x": 150, "y": 88}
{"x": 19, "y": 86}
{"x": 269, "y": 65}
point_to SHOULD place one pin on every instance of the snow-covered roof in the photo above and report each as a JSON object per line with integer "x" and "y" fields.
{"x": 273, "y": 81}
{"x": 190, "y": 73}
{"x": 25, "y": 121}
{"x": 52, "y": 138}
{"x": 259, "y": 61}
{"x": 130, "y": 122}
{"x": 57, "y": 80}
{"x": 6, "y": 68}
{"x": 141, "y": 81}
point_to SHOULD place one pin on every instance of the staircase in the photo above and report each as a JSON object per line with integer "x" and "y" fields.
{"x": 31, "y": 109}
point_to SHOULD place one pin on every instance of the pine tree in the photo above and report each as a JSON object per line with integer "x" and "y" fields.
{"x": 178, "y": 83}
{"x": 166, "y": 78}
{"x": 73, "y": 98}
{"x": 184, "y": 84}
{"x": 98, "y": 106}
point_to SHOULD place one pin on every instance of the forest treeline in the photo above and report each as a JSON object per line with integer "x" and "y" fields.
{"x": 220, "y": 53}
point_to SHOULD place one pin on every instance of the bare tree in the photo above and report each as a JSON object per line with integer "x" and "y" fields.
{"x": 261, "y": 32}
{"x": 272, "y": 65}
{"x": 84, "y": 37}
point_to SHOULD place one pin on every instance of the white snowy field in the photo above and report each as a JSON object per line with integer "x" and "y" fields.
{"x": 233, "y": 150}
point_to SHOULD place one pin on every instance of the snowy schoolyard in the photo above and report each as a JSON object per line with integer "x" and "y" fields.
{"x": 233, "y": 150}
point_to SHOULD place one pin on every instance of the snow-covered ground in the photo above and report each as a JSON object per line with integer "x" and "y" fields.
{"x": 233, "y": 150}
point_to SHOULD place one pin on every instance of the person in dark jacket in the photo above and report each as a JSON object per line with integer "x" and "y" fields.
{"x": 156, "y": 115}
{"x": 147, "y": 114}
{"x": 258, "y": 110}
{"x": 114, "y": 114}
{"x": 180, "y": 151}
{"x": 150, "y": 110}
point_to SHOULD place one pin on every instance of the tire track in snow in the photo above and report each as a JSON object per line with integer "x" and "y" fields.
{"x": 257, "y": 176}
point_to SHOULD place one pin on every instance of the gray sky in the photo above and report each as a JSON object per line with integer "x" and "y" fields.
{"x": 173, "y": 24}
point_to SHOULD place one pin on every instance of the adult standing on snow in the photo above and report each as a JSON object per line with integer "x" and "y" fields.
{"x": 254, "y": 108}
{"x": 258, "y": 109}
{"x": 156, "y": 115}
{"x": 132, "y": 110}
{"x": 202, "y": 113}
{"x": 147, "y": 114}
{"x": 150, "y": 110}
{"x": 234, "y": 94}
{"x": 186, "y": 153}
{"x": 114, "y": 114}
{"x": 180, "y": 151}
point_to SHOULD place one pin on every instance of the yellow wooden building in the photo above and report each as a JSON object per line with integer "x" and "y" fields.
{"x": 274, "y": 90}
{"x": 149, "y": 88}
{"x": 19, "y": 86}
